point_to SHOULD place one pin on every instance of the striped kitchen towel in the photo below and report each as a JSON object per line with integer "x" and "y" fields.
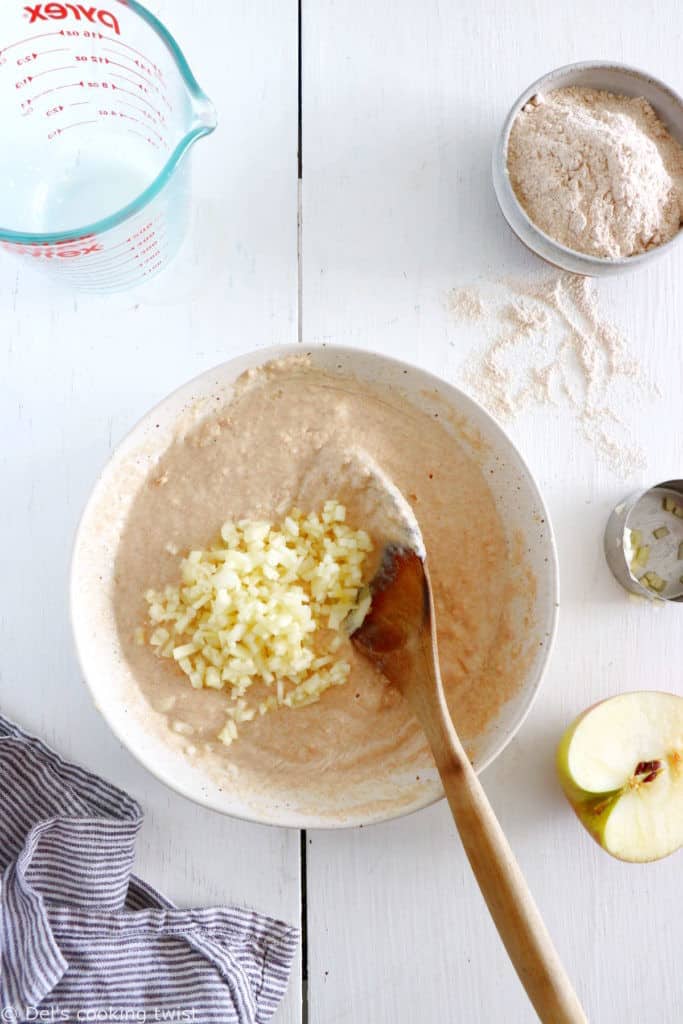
{"x": 81, "y": 938}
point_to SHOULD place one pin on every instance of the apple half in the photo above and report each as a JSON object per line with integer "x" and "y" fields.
{"x": 620, "y": 764}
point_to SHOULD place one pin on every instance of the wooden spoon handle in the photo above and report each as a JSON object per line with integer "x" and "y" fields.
{"x": 502, "y": 884}
{"x": 399, "y": 635}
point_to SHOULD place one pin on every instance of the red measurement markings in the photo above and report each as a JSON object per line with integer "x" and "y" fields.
{"x": 29, "y": 58}
{"x": 147, "y": 254}
{"x": 148, "y": 118}
{"x": 153, "y": 269}
{"x": 144, "y": 244}
{"x": 152, "y": 260}
{"x": 108, "y": 262}
{"x": 29, "y": 39}
{"x": 50, "y": 71}
{"x": 119, "y": 245}
{"x": 133, "y": 256}
{"x": 73, "y": 85}
{"x": 119, "y": 42}
{"x": 73, "y": 33}
{"x": 141, "y": 232}
{"x": 145, "y": 90}
{"x": 123, "y": 78}
{"x": 138, "y": 96}
{"x": 60, "y": 131}
{"x": 146, "y": 67}
{"x": 120, "y": 114}
{"x": 99, "y": 270}
{"x": 133, "y": 238}
{"x": 78, "y": 124}
{"x": 135, "y": 259}
{"x": 145, "y": 113}
{"x": 121, "y": 248}
{"x": 134, "y": 131}
{"x": 133, "y": 71}
{"x": 111, "y": 256}
{"x": 98, "y": 85}
{"x": 140, "y": 235}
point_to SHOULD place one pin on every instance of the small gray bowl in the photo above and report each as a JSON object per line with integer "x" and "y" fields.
{"x": 617, "y": 78}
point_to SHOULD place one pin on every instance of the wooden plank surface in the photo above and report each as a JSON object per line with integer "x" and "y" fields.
{"x": 401, "y": 104}
{"x": 77, "y": 372}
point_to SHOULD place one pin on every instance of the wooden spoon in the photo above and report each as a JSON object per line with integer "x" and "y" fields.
{"x": 399, "y": 636}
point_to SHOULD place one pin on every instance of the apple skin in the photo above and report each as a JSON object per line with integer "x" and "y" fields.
{"x": 592, "y": 809}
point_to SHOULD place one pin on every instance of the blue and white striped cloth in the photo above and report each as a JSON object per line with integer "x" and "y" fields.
{"x": 83, "y": 939}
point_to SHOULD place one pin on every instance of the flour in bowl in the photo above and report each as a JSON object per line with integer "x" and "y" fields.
{"x": 598, "y": 172}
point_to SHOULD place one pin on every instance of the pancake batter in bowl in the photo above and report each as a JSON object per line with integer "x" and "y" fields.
{"x": 283, "y": 441}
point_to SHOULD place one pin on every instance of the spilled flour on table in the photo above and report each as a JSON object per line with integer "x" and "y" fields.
{"x": 466, "y": 304}
{"x": 550, "y": 344}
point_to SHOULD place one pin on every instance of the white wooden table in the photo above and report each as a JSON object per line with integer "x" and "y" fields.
{"x": 401, "y": 102}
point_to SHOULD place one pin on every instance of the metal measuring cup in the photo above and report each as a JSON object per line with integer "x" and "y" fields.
{"x": 644, "y": 542}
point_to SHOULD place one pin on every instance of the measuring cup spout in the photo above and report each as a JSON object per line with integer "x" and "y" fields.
{"x": 204, "y": 118}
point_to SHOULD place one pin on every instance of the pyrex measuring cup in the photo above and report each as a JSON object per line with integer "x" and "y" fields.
{"x": 98, "y": 108}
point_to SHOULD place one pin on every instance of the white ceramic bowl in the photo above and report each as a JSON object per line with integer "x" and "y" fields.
{"x": 618, "y": 78}
{"x": 108, "y": 675}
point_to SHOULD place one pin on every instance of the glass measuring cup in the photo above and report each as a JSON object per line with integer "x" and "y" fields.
{"x": 98, "y": 108}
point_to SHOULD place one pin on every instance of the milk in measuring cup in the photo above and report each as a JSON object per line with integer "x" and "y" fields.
{"x": 86, "y": 186}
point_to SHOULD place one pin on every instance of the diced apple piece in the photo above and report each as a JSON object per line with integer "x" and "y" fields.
{"x": 641, "y": 557}
{"x": 653, "y": 581}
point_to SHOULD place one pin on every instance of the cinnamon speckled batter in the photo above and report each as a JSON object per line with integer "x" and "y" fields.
{"x": 282, "y": 441}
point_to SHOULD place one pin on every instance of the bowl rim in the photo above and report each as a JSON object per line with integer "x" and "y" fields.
{"x": 285, "y": 817}
{"x": 501, "y": 176}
